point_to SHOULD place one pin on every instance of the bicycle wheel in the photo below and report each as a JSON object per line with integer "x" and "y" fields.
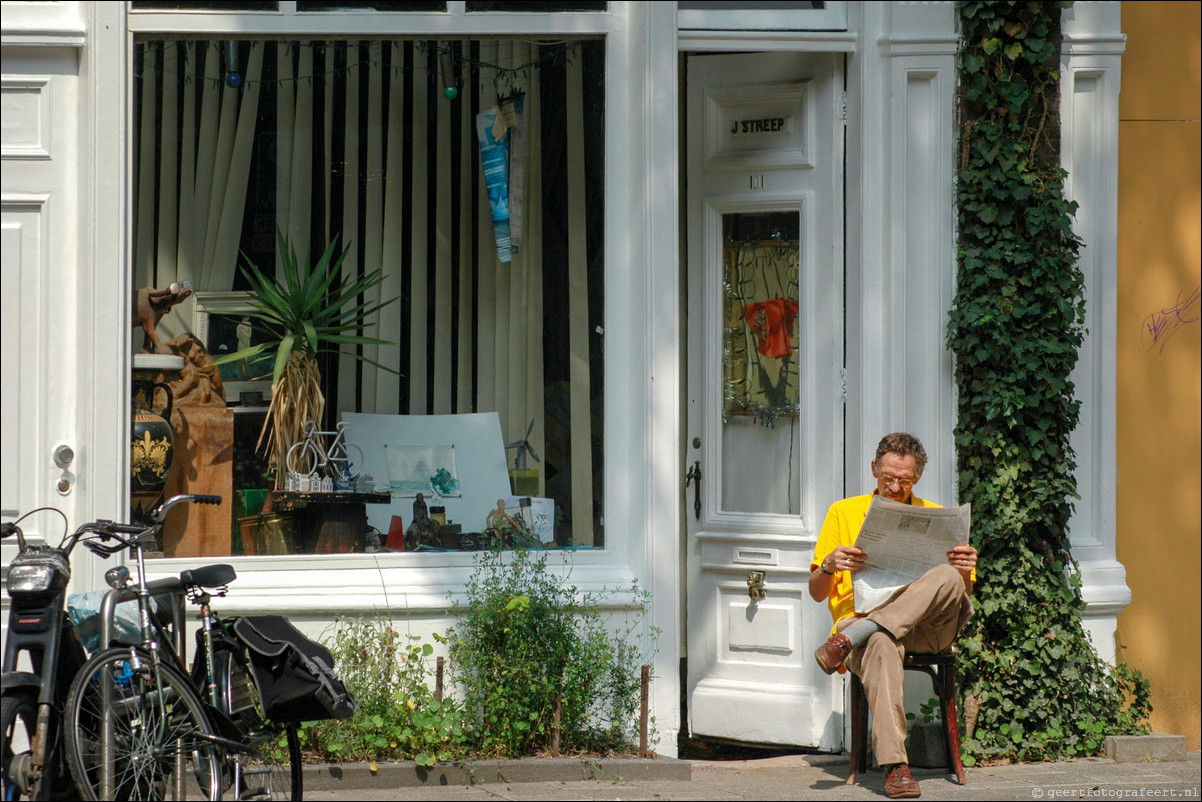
{"x": 347, "y": 464}
{"x": 129, "y": 736}
{"x": 274, "y": 773}
{"x": 273, "y": 770}
{"x": 305, "y": 458}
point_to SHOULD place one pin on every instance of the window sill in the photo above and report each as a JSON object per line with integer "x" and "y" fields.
{"x": 385, "y": 582}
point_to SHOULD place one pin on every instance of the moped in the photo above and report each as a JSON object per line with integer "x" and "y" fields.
{"x": 32, "y": 700}
{"x": 34, "y": 689}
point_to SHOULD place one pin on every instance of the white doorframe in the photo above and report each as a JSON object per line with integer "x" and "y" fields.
{"x": 655, "y": 114}
{"x": 105, "y": 181}
{"x": 776, "y": 177}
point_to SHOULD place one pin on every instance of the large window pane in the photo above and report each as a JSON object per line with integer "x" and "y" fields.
{"x": 362, "y": 141}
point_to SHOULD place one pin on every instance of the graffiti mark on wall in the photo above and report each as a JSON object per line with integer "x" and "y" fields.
{"x": 1160, "y": 326}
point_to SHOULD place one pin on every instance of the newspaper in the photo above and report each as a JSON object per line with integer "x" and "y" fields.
{"x": 903, "y": 542}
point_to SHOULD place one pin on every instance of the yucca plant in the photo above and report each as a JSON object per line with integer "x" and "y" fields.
{"x": 301, "y": 312}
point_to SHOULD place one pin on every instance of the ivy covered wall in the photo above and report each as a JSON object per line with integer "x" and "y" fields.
{"x": 1034, "y": 686}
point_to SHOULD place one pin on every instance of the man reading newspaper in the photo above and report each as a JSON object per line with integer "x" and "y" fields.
{"x": 923, "y": 615}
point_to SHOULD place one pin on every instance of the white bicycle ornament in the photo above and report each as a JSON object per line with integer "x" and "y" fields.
{"x": 310, "y": 457}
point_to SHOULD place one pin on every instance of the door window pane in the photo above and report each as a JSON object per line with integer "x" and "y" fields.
{"x": 760, "y": 351}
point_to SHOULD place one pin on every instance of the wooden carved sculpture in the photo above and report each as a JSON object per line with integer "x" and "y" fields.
{"x": 149, "y": 307}
{"x": 199, "y": 383}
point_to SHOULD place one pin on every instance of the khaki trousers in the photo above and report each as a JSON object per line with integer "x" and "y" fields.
{"x": 922, "y": 617}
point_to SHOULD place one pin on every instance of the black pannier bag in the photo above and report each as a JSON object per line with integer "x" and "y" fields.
{"x": 295, "y": 675}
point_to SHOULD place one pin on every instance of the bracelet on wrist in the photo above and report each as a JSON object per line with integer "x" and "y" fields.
{"x": 823, "y": 567}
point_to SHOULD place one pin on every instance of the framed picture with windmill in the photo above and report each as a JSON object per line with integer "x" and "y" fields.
{"x": 523, "y": 480}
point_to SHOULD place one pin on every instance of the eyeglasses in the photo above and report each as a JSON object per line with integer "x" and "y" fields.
{"x": 889, "y": 481}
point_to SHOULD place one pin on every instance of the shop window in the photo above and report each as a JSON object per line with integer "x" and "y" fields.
{"x": 364, "y": 141}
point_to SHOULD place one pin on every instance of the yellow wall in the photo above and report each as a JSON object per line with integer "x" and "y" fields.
{"x": 1159, "y": 356}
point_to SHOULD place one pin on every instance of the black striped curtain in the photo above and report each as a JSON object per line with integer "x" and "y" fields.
{"x": 356, "y": 140}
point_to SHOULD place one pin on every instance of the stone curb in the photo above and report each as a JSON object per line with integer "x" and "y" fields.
{"x": 1152, "y": 748}
{"x": 407, "y": 775}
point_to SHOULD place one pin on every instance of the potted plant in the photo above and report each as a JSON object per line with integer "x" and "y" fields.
{"x": 303, "y": 311}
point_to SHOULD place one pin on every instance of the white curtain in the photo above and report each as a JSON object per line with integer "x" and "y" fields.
{"x": 188, "y": 220}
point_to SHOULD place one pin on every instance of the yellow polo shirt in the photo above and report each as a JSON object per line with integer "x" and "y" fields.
{"x": 841, "y": 528}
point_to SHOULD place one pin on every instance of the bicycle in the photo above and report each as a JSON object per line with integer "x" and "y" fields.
{"x": 334, "y": 462}
{"x": 138, "y": 726}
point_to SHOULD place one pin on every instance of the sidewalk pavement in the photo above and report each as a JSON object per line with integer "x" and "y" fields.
{"x": 797, "y": 776}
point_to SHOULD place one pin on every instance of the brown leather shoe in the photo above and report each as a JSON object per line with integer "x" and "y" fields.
{"x": 831, "y": 654}
{"x": 899, "y": 784}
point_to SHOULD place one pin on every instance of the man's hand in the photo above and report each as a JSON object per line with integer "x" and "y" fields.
{"x": 964, "y": 560}
{"x": 845, "y": 558}
{"x": 842, "y": 558}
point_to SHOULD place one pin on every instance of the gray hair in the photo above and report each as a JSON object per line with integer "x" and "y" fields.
{"x": 903, "y": 445}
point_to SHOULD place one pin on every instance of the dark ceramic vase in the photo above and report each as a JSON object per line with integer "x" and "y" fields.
{"x": 152, "y": 446}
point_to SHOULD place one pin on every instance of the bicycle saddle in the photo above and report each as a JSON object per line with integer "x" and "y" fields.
{"x": 208, "y": 576}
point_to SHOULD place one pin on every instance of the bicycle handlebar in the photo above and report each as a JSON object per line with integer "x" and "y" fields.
{"x": 135, "y": 532}
{"x": 160, "y": 513}
{"x": 112, "y": 527}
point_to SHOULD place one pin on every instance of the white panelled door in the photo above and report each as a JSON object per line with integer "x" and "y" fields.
{"x": 40, "y": 271}
{"x": 765, "y": 414}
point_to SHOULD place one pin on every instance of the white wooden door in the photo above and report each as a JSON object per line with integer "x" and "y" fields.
{"x": 765, "y": 414}
{"x": 39, "y": 231}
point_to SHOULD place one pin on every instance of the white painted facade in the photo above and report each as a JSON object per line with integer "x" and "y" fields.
{"x": 66, "y": 196}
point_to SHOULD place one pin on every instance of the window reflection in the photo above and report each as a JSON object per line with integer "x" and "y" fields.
{"x": 761, "y": 356}
{"x": 359, "y": 140}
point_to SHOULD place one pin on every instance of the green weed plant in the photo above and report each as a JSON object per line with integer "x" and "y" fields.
{"x": 930, "y": 711}
{"x": 526, "y": 638}
{"x": 1033, "y": 686}
{"x": 399, "y": 717}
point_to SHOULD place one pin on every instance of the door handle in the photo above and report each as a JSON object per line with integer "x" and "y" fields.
{"x": 694, "y": 477}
